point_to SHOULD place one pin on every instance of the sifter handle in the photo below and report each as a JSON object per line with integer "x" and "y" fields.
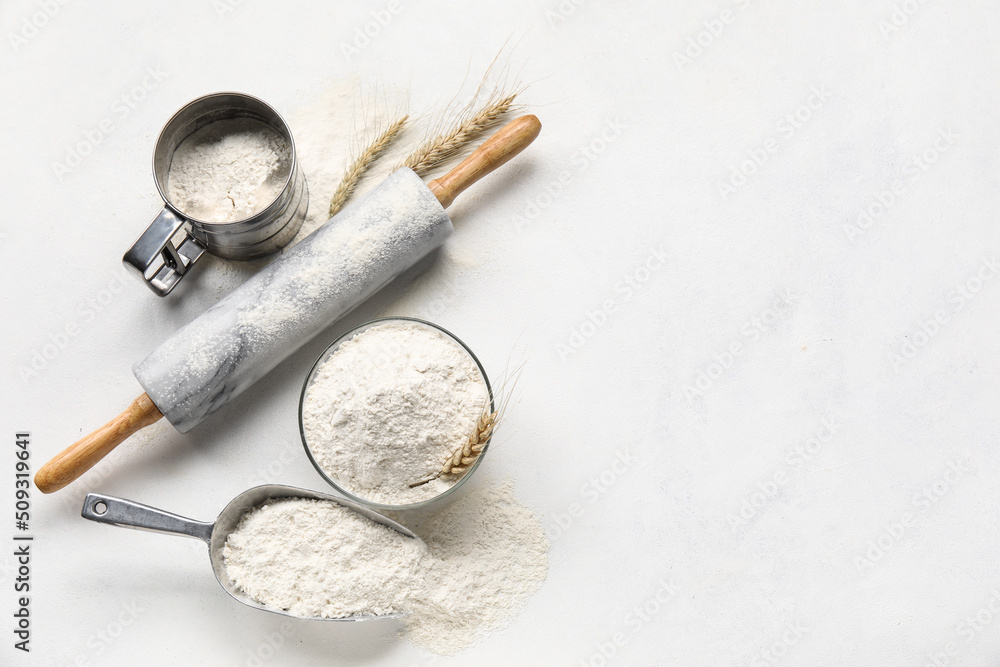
{"x": 154, "y": 258}
{"x": 81, "y": 456}
{"x": 510, "y": 140}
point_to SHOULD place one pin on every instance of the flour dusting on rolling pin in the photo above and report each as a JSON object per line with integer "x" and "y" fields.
{"x": 237, "y": 341}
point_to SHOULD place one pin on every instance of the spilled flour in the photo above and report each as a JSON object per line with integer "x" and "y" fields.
{"x": 487, "y": 554}
{"x": 388, "y": 407}
{"x": 229, "y": 170}
{"x": 480, "y": 560}
{"x": 328, "y": 133}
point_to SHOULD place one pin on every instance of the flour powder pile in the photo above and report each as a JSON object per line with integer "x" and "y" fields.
{"x": 229, "y": 170}
{"x": 486, "y": 555}
{"x": 481, "y": 558}
{"x": 330, "y": 131}
{"x": 389, "y": 406}
{"x": 316, "y": 558}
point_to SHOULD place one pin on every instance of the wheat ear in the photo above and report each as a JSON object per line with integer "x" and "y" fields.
{"x": 464, "y": 456}
{"x": 470, "y": 126}
{"x": 363, "y": 162}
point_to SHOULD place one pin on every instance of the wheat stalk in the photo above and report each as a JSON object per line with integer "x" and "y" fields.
{"x": 466, "y": 455}
{"x": 363, "y": 162}
{"x": 463, "y": 457}
{"x": 470, "y": 126}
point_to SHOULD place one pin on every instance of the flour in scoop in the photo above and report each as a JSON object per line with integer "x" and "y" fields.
{"x": 480, "y": 560}
{"x": 317, "y": 558}
{"x": 389, "y": 406}
{"x": 228, "y": 170}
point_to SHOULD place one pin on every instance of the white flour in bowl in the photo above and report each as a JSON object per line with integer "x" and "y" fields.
{"x": 388, "y": 407}
{"x": 481, "y": 558}
{"x": 228, "y": 170}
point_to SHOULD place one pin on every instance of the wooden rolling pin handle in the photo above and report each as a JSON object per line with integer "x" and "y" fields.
{"x": 510, "y": 140}
{"x": 81, "y": 456}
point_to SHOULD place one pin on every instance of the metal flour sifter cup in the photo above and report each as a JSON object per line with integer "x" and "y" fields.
{"x": 174, "y": 241}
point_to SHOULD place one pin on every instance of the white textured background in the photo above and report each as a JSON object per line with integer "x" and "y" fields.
{"x": 827, "y": 495}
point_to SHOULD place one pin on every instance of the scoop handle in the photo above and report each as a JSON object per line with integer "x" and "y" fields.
{"x": 127, "y": 514}
{"x": 81, "y": 456}
{"x": 510, "y": 140}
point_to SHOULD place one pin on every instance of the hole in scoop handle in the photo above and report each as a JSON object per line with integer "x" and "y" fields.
{"x": 127, "y": 514}
{"x": 510, "y": 140}
{"x": 81, "y": 456}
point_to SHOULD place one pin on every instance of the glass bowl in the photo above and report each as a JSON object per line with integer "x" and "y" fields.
{"x": 326, "y": 355}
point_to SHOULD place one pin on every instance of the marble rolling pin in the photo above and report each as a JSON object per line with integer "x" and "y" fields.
{"x": 238, "y": 340}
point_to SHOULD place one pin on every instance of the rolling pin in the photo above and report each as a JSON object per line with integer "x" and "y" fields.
{"x": 218, "y": 355}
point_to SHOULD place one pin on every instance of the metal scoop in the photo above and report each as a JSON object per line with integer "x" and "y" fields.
{"x": 120, "y": 512}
